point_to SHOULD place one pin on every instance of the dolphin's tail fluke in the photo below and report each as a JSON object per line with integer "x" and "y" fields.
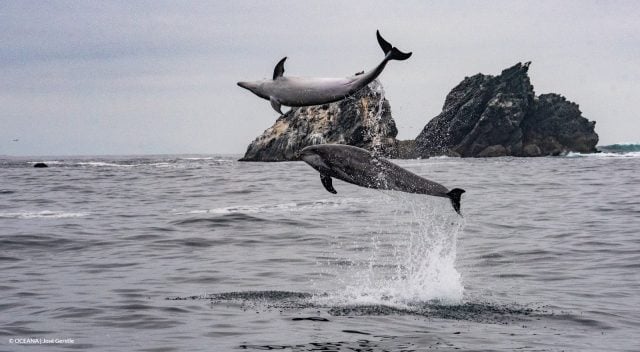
{"x": 455, "y": 195}
{"x": 390, "y": 51}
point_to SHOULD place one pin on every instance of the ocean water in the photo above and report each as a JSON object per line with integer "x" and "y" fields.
{"x": 204, "y": 253}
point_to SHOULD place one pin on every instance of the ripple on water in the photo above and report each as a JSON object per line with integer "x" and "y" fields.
{"x": 33, "y": 241}
{"x": 546, "y": 230}
{"x": 234, "y": 220}
{"x": 223, "y": 220}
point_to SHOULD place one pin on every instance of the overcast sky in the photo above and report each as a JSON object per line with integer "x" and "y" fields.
{"x": 156, "y": 77}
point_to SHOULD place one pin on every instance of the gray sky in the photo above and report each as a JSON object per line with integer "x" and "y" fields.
{"x": 148, "y": 77}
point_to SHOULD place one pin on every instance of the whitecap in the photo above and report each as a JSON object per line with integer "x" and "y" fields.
{"x": 281, "y": 207}
{"x": 602, "y": 155}
{"x": 45, "y": 214}
{"x": 103, "y": 164}
{"x": 203, "y": 158}
{"x": 162, "y": 164}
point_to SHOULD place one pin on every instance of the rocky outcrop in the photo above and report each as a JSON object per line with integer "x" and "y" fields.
{"x": 363, "y": 120}
{"x": 487, "y": 116}
{"x": 556, "y": 126}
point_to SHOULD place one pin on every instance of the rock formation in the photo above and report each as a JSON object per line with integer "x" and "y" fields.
{"x": 363, "y": 120}
{"x": 486, "y": 116}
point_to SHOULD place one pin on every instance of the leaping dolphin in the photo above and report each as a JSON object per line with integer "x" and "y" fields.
{"x": 305, "y": 91}
{"x": 361, "y": 167}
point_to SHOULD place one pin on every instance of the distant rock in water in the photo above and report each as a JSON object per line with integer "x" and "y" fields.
{"x": 487, "y": 116}
{"x": 40, "y": 165}
{"x": 363, "y": 120}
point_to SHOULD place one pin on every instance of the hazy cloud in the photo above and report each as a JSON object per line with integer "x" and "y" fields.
{"x": 121, "y": 77}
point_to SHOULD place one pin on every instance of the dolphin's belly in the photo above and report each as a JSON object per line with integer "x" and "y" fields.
{"x": 296, "y": 91}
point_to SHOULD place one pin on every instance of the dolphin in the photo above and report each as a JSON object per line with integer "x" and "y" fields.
{"x": 361, "y": 167}
{"x": 305, "y": 91}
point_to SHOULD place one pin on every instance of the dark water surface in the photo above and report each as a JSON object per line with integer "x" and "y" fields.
{"x": 208, "y": 254}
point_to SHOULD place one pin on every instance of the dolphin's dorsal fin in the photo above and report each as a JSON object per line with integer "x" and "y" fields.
{"x": 326, "y": 182}
{"x": 275, "y": 104}
{"x": 279, "y": 70}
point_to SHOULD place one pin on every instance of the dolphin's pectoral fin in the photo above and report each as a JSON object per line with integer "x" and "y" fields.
{"x": 279, "y": 70}
{"x": 326, "y": 182}
{"x": 275, "y": 104}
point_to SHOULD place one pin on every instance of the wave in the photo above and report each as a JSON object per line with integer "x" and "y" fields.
{"x": 620, "y": 148}
{"x": 224, "y": 220}
{"x": 280, "y": 207}
{"x": 118, "y": 162}
{"x": 603, "y": 155}
{"x": 210, "y": 158}
{"x": 103, "y": 164}
{"x": 42, "y": 215}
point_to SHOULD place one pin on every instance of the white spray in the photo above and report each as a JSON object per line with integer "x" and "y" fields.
{"x": 407, "y": 259}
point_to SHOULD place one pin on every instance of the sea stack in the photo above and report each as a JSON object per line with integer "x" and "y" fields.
{"x": 488, "y": 116}
{"x": 362, "y": 120}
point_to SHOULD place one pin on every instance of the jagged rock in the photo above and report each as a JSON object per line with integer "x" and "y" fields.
{"x": 531, "y": 150}
{"x": 556, "y": 126}
{"x": 363, "y": 120}
{"x": 486, "y": 116}
{"x": 493, "y": 150}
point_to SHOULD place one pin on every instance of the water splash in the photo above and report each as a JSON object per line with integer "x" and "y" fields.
{"x": 409, "y": 260}
{"x": 372, "y": 120}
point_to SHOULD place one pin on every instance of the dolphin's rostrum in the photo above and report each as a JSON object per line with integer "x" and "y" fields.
{"x": 305, "y": 91}
{"x": 361, "y": 167}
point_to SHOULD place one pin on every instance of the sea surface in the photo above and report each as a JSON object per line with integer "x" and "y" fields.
{"x": 204, "y": 253}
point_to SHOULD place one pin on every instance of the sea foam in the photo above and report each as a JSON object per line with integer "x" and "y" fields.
{"x": 45, "y": 214}
{"x": 303, "y": 206}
